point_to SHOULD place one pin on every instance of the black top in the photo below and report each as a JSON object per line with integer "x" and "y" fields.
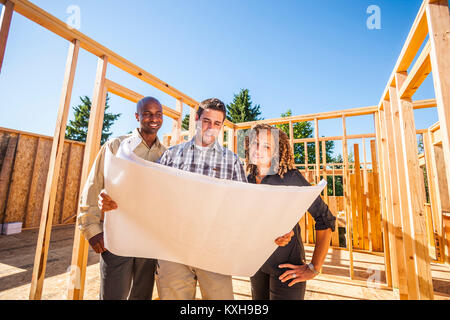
{"x": 294, "y": 252}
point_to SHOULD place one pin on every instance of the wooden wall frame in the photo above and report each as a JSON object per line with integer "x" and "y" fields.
{"x": 400, "y": 186}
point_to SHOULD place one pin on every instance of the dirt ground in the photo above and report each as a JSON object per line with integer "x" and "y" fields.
{"x": 17, "y": 257}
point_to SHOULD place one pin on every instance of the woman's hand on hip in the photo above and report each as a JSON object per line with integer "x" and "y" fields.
{"x": 295, "y": 273}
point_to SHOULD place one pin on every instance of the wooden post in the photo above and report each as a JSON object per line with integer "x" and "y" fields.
{"x": 176, "y": 126}
{"x": 434, "y": 193}
{"x": 359, "y": 198}
{"x": 446, "y": 231}
{"x": 415, "y": 193}
{"x": 437, "y": 186}
{"x": 390, "y": 240}
{"x": 375, "y": 201}
{"x": 351, "y": 202}
{"x": 324, "y": 174}
{"x": 443, "y": 197}
{"x": 230, "y": 139}
{"x": 364, "y": 165}
{"x": 306, "y": 159}
{"x": 370, "y": 211}
{"x": 317, "y": 149}
{"x": 332, "y": 205}
{"x": 430, "y": 230}
{"x": 40, "y": 261}
{"x": 5, "y": 23}
{"x": 235, "y": 143}
{"x": 383, "y": 205}
{"x": 192, "y": 114}
{"x": 353, "y": 191}
{"x": 346, "y": 187}
{"x": 291, "y": 135}
{"x": 310, "y": 225}
{"x": 404, "y": 266}
{"x": 220, "y": 136}
{"x": 92, "y": 146}
{"x": 438, "y": 18}
{"x": 365, "y": 199}
{"x": 334, "y": 183}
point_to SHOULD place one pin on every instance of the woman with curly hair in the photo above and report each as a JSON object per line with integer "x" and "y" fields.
{"x": 270, "y": 160}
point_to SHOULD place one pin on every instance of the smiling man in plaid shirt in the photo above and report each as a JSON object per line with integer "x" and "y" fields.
{"x": 203, "y": 155}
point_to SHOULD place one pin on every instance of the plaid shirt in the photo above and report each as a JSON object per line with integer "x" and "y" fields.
{"x": 214, "y": 161}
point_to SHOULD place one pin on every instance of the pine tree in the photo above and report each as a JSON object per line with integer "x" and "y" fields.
{"x": 185, "y": 122}
{"x": 77, "y": 128}
{"x": 241, "y": 109}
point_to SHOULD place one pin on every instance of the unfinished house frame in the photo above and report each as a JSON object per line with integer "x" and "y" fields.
{"x": 384, "y": 208}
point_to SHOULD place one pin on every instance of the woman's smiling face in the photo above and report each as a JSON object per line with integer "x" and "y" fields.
{"x": 261, "y": 148}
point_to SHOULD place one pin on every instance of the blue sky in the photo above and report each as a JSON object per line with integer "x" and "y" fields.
{"x": 289, "y": 54}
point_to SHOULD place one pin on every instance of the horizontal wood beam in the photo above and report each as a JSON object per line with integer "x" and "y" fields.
{"x": 310, "y": 117}
{"x": 436, "y": 136}
{"x": 53, "y": 24}
{"x": 435, "y": 127}
{"x": 435, "y": 133}
{"x": 423, "y": 104}
{"x": 354, "y": 136}
{"x": 416, "y": 36}
{"x": 418, "y": 74}
{"x": 419, "y": 104}
{"x": 132, "y": 96}
{"x": 48, "y": 21}
{"x": 348, "y": 137}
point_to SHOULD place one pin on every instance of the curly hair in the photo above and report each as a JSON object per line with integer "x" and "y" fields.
{"x": 286, "y": 156}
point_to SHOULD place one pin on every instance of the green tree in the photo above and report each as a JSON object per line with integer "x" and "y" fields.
{"x": 241, "y": 109}
{"x": 77, "y": 128}
{"x": 303, "y": 130}
{"x": 420, "y": 146}
{"x": 185, "y": 122}
{"x": 338, "y": 179}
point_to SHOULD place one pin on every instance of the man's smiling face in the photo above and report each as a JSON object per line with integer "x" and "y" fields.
{"x": 210, "y": 123}
{"x": 150, "y": 116}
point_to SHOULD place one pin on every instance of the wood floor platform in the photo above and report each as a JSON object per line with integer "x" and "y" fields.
{"x": 17, "y": 256}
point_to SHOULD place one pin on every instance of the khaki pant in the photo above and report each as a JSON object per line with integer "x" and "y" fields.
{"x": 177, "y": 281}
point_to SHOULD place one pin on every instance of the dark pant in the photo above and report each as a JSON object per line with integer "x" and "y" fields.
{"x": 268, "y": 287}
{"x": 124, "y": 278}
